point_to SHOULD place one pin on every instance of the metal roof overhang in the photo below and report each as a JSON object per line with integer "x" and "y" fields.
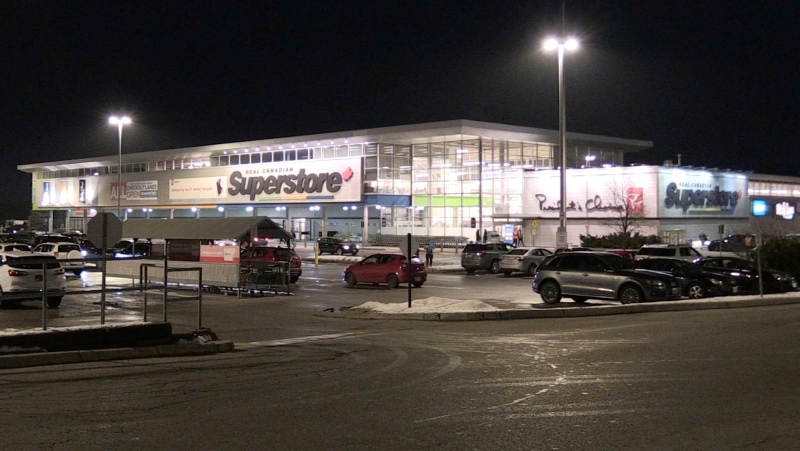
{"x": 203, "y": 228}
{"x": 454, "y": 130}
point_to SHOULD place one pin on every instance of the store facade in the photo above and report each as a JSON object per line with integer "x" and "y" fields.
{"x": 439, "y": 179}
{"x": 676, "y": 204}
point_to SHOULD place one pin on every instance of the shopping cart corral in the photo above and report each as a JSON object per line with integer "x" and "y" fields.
{"x": 260, "y": 278}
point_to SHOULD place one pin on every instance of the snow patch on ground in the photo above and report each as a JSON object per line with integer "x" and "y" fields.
{"x": 429, "y": 305}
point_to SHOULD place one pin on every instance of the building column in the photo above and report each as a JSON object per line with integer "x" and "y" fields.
{"x": 324, "y": 226}
{"x": 365, "y": 226}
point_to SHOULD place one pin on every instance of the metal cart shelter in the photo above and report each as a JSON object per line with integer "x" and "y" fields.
{"x": 183, "y": 242}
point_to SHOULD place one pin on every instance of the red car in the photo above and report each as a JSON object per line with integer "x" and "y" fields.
{"x": 271, "y": 254}
{"x": 391, "y": 269}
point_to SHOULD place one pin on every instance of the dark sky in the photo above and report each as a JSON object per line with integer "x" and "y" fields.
{"x": 715, "y": 81}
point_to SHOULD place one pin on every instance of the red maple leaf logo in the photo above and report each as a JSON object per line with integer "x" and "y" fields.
{"x": 347, "y": 174}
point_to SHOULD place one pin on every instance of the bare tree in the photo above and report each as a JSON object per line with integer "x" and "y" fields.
{"x": 627, "y": 213}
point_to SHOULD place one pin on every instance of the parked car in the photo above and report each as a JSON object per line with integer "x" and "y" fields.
{"x": 695, "y": 282}
{"x": 9, "y": 247}
{"x": 391, "y": 269}
{"x": 572, "y": 249}
{"x": 68, "y": 254}
{"x": 523, "y": 259}
{"x": 337, "y": 246}
{"x": 600, "y": 275}
{"x": 52, "y": 238}
{"x": 89, "y": 251}
{"x": 484, "y": 257}
{"x": 682, "y": 251}
{"x": 746, "y": 273}
{"x": 272, "y": 254}
{"x": 21, "y": 278}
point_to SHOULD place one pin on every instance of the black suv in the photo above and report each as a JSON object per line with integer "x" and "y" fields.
{"x": 337, "y": 246}
{"x": 600, "y": 275}
{"x": 486, "y": 257}
{"x": 746, "y": 273}
{"x": 696, "y": 282}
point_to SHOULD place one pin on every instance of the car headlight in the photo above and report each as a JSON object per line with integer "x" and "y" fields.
{"x": 83, "y": 253}
{"x": 344, "y": 246}
{"x": 716, "y": 281}
{"x": 655, "y": 283}
{"x": 777, "y": 277}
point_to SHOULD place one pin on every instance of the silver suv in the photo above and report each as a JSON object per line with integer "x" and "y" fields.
{"x": 600, "y": 275}
{"x": 486, "y": 257}
{"x": 681, "y": 251}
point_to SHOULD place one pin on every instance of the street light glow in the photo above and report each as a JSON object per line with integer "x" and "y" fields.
{"x": 550, "y": 44}
{"x": 116, "y": 120}
{"x": 571, "y": 44}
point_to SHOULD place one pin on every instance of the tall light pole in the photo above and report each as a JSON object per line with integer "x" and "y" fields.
{"x": 119, "y": 121}
{"x": 561, "y": 45}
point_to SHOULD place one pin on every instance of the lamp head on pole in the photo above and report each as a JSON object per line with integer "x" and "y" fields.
{"x": 119, "y": 120}
{"x": 551, "y": 44}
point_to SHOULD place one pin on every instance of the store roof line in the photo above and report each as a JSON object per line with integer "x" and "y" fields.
{"x": 400, "y": 134}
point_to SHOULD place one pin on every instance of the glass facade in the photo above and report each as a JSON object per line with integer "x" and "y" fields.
{"x": 446, "y": 179}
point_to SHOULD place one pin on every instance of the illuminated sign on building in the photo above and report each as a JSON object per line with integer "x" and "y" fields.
{"x": 759, "y": 207}
{"x": 785, "y": 210}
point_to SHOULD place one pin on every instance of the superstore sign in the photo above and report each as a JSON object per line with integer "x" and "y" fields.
{"x": 701, "y": 192}
{"x": 295, "y": 181}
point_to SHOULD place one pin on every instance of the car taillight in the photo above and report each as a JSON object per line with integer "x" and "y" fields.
{"x": 17, "y": 273}
{"x": 479, "y": 254}
{"x": 519, "y": 259}
{"x": 59, "y": 272}
{"x": 56, "y": 254}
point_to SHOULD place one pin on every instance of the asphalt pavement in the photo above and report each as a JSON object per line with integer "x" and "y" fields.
{"x": 32, "y": 353}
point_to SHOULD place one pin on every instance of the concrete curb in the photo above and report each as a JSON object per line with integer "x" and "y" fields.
{"x": 98, "y": 355}
{"x": 543, "y": 311}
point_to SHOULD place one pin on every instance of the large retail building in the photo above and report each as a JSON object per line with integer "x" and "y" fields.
{"x": 449, "y": 178}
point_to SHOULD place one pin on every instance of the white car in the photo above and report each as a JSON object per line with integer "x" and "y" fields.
{"x": 9, "y": 247}
{"x": 21, "y": 278}
{"x": 68, "y": 254}
{"x": 523, "y": 259}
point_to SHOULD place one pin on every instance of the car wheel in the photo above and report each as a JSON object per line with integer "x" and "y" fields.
{"x": 341, "y": 251}
{"x": 550, "y": 292}
{"x": 531, "y": 270}
{"x": 495, "y": 267}
{"x": 54, "y": 301}
{"x": 506, "y": 273}
{"x": 630, "y": 295}
{"x": 695, "y": 291}
{"x": 392, "y": 281}
{"x": 294, "y": 279}
{"x": 579, "y": 299}
{"x": 418, "y": 284}
{"x": 350, "y": 279}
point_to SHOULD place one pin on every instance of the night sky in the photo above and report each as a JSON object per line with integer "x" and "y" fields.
{"x": 714, "y": 81}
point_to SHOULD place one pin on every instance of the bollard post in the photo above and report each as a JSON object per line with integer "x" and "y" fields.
{"x": 44, "y": 295}
{"x": 200, "y": 300}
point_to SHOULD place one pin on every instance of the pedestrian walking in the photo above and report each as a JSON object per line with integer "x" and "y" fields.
{"x": 478, "y": 236}
{"x": 429, "y": 253}
{"x": 515, "y": 235}
{"x": 485, "y": 235}
{"x": 520, "y": 237}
